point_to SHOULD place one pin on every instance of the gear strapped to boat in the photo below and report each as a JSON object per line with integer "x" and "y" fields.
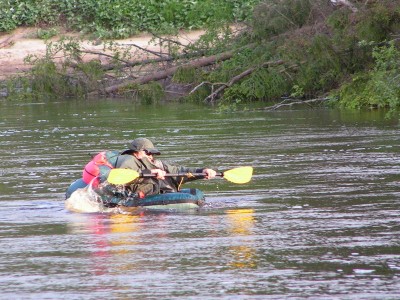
{"x": 97, "y": 170}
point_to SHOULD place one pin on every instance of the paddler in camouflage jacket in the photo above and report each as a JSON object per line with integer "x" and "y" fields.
{"x": 140, "y": 157}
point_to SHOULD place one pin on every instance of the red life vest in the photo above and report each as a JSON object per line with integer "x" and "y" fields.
{"x": 96, "y": 171}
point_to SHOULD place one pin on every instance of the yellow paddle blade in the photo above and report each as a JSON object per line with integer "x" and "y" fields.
{"x": 239, "y": 175}
{"x": 122, "y": 176}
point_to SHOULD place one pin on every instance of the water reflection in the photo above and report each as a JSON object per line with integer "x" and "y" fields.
{"x": 116, "y": 240}
{"x": 100, "y": 254}
{"x": 120, "y": 243}
{"x": 241, "y": 225}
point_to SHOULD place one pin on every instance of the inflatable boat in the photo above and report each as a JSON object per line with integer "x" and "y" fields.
{"x": 189, "y": 198}
{"x": 82, "y": 197}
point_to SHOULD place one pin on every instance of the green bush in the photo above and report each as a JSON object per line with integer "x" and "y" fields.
{"x": 8, "y": 21}
{"x": 14, "y": 13}
{"x": 323, "y": 46}
{"x": 275, "y": 16}
{"x": 118, "y": 18}
{"x": 378, "y": 88}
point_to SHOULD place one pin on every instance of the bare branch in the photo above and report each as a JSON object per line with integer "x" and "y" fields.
{"x": 293, "y": 102}
{"x": 199, "y": 86}
{"x": 103, "y": 54}
{"x": 159, "y": 54}
{"x": 168, "y": 40}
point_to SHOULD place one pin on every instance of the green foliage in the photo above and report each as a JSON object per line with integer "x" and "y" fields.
{"x": 265, "y": 84}
{"x": 297, "y": 92}
{"x": 14, "y": 13}
{"x": 50, "y": 80}
{"x": 214, "y": 40}
{"x": 18, "y": 88}
{"x": 47, "y": 81}
{"x": 119, "y": 18}
{"x": 91, "y": 74}
{"x": 198, "y": 95}
{"x": 377, "y": 23}
{"x": 321, "y": 69}
{"x": 7, "y": 20}
{"x": 378, "y": 88}
{"x": 44, "y": 82}
{"x": 321, "y": 47}
{"x": 147, "y": 94}
{"x": 186, "y": 75}
{"x": 354, "y": 35}
{"x": 340, "y": 21}
{"x": 244, "y": 58}
{"x": 276, "y": 16}
{"x": 46, "y": 34}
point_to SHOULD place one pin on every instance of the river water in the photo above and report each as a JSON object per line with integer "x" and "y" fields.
{"x": 319, "y": 220}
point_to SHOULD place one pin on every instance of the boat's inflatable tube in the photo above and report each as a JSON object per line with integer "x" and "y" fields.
{"x": 77, "y": 184}
{"x": 184, "y": 199}
{"x": 184, "y": 196}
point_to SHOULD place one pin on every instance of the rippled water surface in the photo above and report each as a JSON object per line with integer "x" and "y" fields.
{"x": 319, "y": 220}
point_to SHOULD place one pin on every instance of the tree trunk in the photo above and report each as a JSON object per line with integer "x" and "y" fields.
{"x": 198, "y": 63}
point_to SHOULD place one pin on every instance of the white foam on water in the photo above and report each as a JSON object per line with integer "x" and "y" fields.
{"x": 85, "y": 201}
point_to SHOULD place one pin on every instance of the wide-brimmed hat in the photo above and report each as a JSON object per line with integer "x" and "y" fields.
{"x": 140, "y": 144}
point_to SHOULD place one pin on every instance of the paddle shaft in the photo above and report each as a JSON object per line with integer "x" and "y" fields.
{"x": 182, "y": 174}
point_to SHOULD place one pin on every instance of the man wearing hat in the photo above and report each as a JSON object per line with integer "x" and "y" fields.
{"x": 140, "y": 157}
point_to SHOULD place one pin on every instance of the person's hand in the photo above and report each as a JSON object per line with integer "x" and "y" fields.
{"x": 210, "y": 173}
{"x": 160, "y": 174}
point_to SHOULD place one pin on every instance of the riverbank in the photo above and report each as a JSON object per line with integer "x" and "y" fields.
{"x": 22, "y": 42}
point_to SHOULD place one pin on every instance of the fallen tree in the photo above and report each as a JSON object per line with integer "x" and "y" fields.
{"x": 162, "y": 74}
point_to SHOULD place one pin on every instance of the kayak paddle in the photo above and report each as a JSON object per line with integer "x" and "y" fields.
{"x": 123, "y": 176}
